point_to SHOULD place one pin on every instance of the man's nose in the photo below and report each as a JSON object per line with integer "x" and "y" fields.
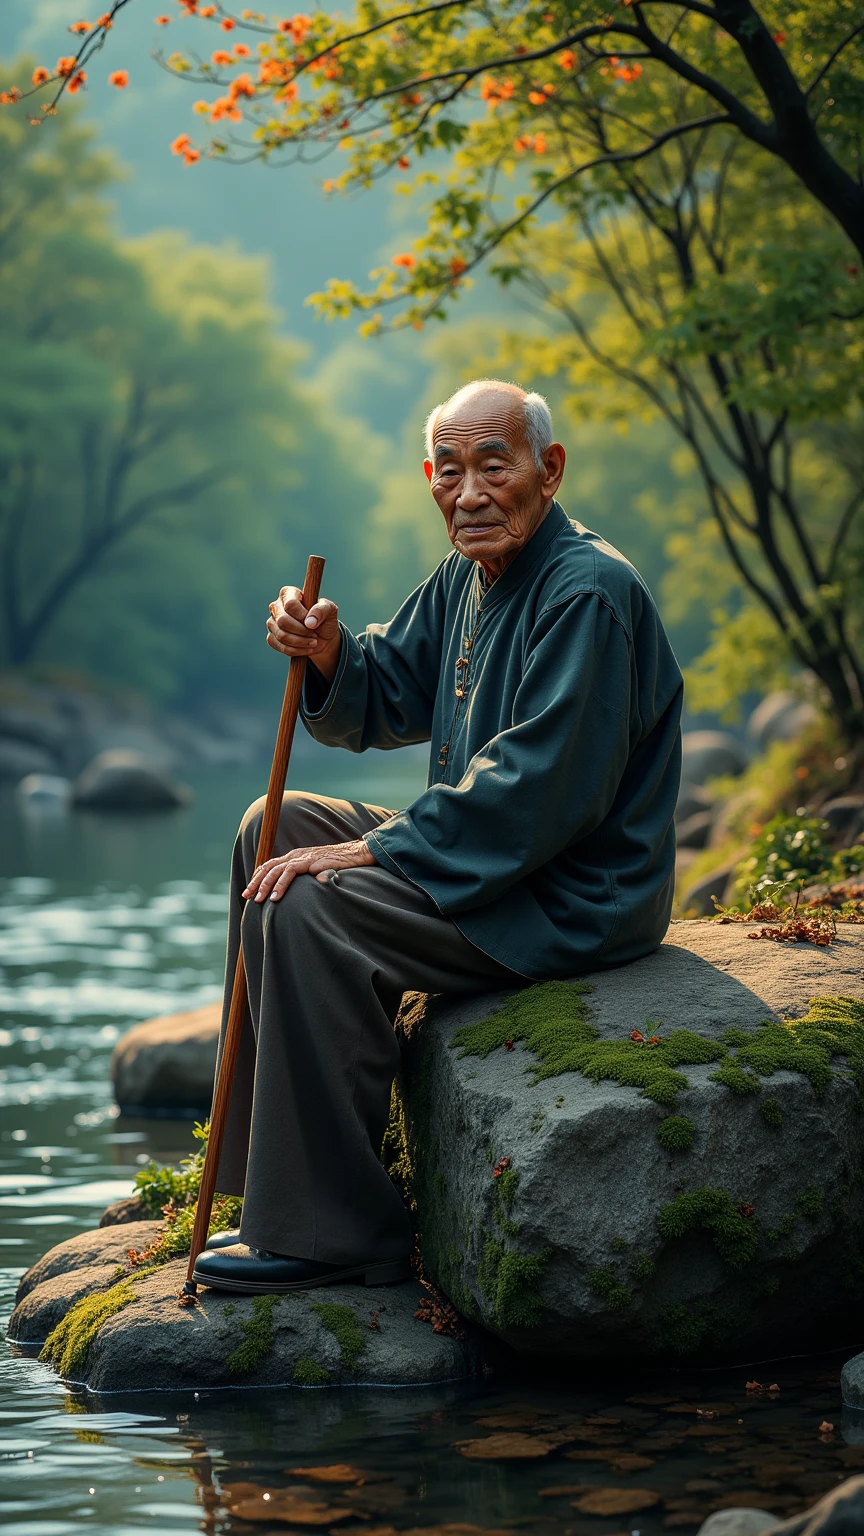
{"x": 473, "y": 493}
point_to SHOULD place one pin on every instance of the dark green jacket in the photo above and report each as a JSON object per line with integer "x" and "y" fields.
{"x": 552, "y": 701}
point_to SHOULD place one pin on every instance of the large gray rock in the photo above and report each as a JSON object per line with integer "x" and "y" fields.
{"x": 781, "y": 716}
{"x": 125, "y": 780}
{"x": 575, "y": 1261}
{"x": 712, "y": 755}
{"x": 154, "y": 1344}
{"x": 167, "y": 1065}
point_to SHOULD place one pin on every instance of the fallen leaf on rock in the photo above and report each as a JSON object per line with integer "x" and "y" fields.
{"x": 290, "y": 1511}
{"x": 616, "y": 1501}
{"x": 506, "y": 1447}
{"x": 825, "y": 1428}
{"x": 631, "y": 1463}
{"x": 340, "y": 1473}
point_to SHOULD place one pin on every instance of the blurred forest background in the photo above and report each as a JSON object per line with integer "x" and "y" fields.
{"x": 178, "y": 430}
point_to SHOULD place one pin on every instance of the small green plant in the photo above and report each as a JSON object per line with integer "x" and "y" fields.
{"x": 308, "y": 1373}
{"x": 605, "y": 1283}
{"x": 510, "y": 1281}
{"x": 771, "y": 1113}
{"x": 619, "y": 1245}
{"x": 733, "y": 1224}
{"x": 675, "y": 1133}
{"x": 157, "y": 1187}
{"x": 258, "y": 1337}
{"x": 342, "y": 1322}
{"x": 784, "y": 1228}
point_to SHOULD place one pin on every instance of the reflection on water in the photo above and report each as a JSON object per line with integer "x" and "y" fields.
{"x": 105, "y": 921}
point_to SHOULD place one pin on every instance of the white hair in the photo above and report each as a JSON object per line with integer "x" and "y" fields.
{"x": 538, "y": 417}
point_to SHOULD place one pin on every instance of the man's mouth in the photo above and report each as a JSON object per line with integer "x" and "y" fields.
{"x": 468, "y": 529}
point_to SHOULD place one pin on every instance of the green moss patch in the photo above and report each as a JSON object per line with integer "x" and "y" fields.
{"x": 308, "y": 1373}
{"x": 510, "y": 1281}
{"x": 553, "y": 1020}
{"x": 258, "y": 1337}
{"x": 832, "y": 1026}
{"x": 66, "y": 1345}
{"x": 771, "y": 1113}
{"x": 343, "y": 1323}
{"x": 675, "y": 1133}
{"x": 733, "y": 1225}
{"x": 605, "y": 1283}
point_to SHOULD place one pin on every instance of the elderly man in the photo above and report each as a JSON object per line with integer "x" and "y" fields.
{"x": 534, "y": 661}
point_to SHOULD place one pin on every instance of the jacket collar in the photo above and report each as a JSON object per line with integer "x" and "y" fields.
{"x": 554, "y": 523}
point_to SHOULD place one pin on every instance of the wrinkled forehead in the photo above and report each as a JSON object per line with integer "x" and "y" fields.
{"x": 489, "y": 420}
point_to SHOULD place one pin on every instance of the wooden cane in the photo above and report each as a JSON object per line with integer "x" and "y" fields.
{"x": 236, "y": 1012}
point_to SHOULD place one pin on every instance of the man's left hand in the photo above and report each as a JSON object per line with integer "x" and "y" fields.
{"x": 273, "y": 878}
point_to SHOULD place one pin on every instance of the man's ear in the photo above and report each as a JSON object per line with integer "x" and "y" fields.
{"x": 553, "y": 469}
{"x": 427, "y": 469}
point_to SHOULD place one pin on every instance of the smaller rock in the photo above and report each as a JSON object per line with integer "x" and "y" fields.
{"x": 167, "y": 1066}
{"x": 86, "y": 1249}
{"x": 852, "y": 1382}
{"x": 123, "y": 1211}
{"x": 121, "y": 780}
{"x": 698, "y": 898}
{"x": 738, "y": 1522}
{"x": 712, "y": 755}
{"x": 692, "y": 799}
{"x": 695, "y": 831}
{"x": 781, "y": 716}
{"x": 845, "y": 817}
{"x": 45, "y": 790}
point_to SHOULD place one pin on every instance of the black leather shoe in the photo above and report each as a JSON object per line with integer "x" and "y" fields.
{"x": 223, "y": 1239}
{"x": 254, "y": 1270}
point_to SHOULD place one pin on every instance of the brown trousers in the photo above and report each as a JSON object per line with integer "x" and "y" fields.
{"x": 326, "y": 967}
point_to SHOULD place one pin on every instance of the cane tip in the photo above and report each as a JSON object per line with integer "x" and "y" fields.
{"x": 188, "y": 1297}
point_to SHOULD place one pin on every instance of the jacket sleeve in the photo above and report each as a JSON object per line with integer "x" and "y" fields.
{"x": 383, "y": 694}
{"x": 542, "y": 784}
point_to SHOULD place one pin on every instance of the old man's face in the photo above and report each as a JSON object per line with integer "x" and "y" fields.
{"x": 485, "y": 481}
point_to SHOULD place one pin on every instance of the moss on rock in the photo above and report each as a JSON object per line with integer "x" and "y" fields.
{"x": 675, "y": 1133}
{"x": 308, "y": 1373}
{"x": 258, "y": 1336}
{"x": 343, "y": 1323}
{"x": 771, "y": 1113}
{"x": 66, "y": 1346}
{"x": 733, "y": 1225}
{"x": 605, "y": 1283}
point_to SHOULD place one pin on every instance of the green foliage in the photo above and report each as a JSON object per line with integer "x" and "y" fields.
{"x": 675, "y": 1133}
{"x": 307, "y": 1373}
{"x": 258, "y": 1337}
{"x": 771, "y": 1113}
{"x": 831, "y": 1027}
{"x": 157, "y": 1187}
{"x": 605, "y": 1283}
{"x": 66, "y": 1345}
{"x": 735, "y": 1234}
{"x": 553, "y": 1020}
{"x": 343, "y": 1324}
{"x": 788, "y": 848}
{"x": 510, "y": 1281}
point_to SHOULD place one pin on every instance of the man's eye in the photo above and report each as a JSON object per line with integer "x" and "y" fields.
{"x": 494, "y": 469}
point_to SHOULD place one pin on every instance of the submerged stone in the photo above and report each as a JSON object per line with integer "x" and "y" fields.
{"x": 651, "y": 1164}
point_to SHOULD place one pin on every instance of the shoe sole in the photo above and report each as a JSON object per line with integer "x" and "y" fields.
{"x": 368, "y": 1274}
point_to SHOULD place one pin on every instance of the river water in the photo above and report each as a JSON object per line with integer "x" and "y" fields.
{"x": 107, "y": 920}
